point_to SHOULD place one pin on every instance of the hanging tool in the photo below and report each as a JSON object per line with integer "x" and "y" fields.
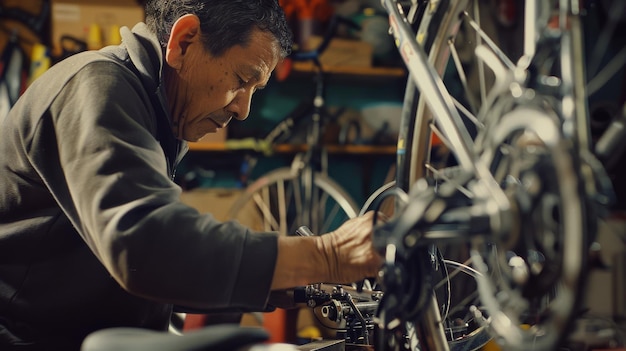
{"x": 11, "y": 74}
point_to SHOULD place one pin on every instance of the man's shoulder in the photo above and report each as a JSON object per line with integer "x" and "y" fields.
{"x": 94, "y": 61}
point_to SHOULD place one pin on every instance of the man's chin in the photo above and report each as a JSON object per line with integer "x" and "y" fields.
{"x": 193, "y": 140}
{"x": 196, "y": 138}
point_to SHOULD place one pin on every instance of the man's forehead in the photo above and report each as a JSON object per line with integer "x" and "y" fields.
{"x": 258, "y": 58}
{"x": 258, "y": 67}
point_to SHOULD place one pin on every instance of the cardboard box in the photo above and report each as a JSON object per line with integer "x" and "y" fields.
{"x": 95, "y": 22}
{"x": 344, "y": 52}
{"x": 218, "y": 202}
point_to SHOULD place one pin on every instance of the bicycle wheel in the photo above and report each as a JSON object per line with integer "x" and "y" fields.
{"x": 276, "y": 201}
{"x": 521, "y": 215}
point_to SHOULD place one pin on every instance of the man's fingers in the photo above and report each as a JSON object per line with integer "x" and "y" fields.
{"x": 376, "y": 215}
{"x": 382, "y": 216}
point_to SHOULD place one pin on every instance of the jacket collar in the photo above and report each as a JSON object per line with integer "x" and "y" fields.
{"x": 146, "y": 54}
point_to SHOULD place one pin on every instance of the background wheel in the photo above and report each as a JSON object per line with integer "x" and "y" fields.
{"x": 276, "y": 202}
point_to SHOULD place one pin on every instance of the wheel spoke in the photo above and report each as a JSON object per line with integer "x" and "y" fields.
{"x": 492, "y": 45}
{"x": 262, "y": 203}
{"x": 468, "y": 114}
{"x": 441, "y": 175}
{"x": 462, "y": 76}
{"x": 480, "y": 63}
{"x": 282, "y": 207}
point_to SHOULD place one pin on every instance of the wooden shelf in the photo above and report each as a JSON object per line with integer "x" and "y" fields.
{"x": 289, "y": 148}
{"x": 380, "y": 72}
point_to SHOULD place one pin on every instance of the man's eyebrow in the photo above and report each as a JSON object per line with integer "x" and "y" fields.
{"x": 253, "y": 73}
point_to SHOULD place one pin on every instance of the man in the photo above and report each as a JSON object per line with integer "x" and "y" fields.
{"x": 92, "y": 231}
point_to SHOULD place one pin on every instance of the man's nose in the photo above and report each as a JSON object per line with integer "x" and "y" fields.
{"x": 240, "y": 106}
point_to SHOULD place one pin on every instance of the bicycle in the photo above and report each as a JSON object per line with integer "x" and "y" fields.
{"x": 301, "y": 194}
{"x": 512, "y": 180}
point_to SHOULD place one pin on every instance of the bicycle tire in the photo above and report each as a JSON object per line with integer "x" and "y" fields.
{"x": 439, "y": 25}
{"x": 275, "y": 199}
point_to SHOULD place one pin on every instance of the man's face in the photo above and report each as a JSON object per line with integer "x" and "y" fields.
{"x": 209, "y": 91}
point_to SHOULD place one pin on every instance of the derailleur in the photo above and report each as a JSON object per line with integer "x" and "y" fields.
{"x": 347, "y": 309}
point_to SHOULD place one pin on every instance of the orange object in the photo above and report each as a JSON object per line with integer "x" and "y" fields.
{"x": 281, "y": 324}
{"x": 435, "y": 140}
{"x": 194, "y": 322}
{"x": 307, "y": 9}
{"x": 283, "y": 69}
{"x": 491, "y": 346}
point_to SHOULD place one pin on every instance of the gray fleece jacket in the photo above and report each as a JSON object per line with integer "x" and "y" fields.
{"x": 92, "y": 231}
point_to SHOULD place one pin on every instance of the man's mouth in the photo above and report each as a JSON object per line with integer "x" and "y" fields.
{"x": 217, "y": 124}
{"x": 220, "y": 124}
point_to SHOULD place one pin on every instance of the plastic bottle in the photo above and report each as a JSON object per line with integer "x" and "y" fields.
{"x": 114, "y": 37}
{"x": 94, "y": 37}
{"x": 39, "y": 62}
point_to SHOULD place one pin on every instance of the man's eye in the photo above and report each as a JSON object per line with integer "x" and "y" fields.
{"x": 241, "y": 82}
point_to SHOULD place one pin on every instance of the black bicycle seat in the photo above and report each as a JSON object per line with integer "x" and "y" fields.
{"x": 223, "y": 337}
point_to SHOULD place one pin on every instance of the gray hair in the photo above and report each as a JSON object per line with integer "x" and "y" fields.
{"x": 224, "y": 23}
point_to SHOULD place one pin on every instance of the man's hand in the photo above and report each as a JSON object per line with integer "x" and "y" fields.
{"x": 349, "y": 251}
{"x": 344, "y": 256}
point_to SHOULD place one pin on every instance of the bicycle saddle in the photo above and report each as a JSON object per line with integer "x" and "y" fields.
{"x": 224, "y": 337}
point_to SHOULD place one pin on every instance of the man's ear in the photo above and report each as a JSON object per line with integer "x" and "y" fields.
{"x": 185, "y": 31}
